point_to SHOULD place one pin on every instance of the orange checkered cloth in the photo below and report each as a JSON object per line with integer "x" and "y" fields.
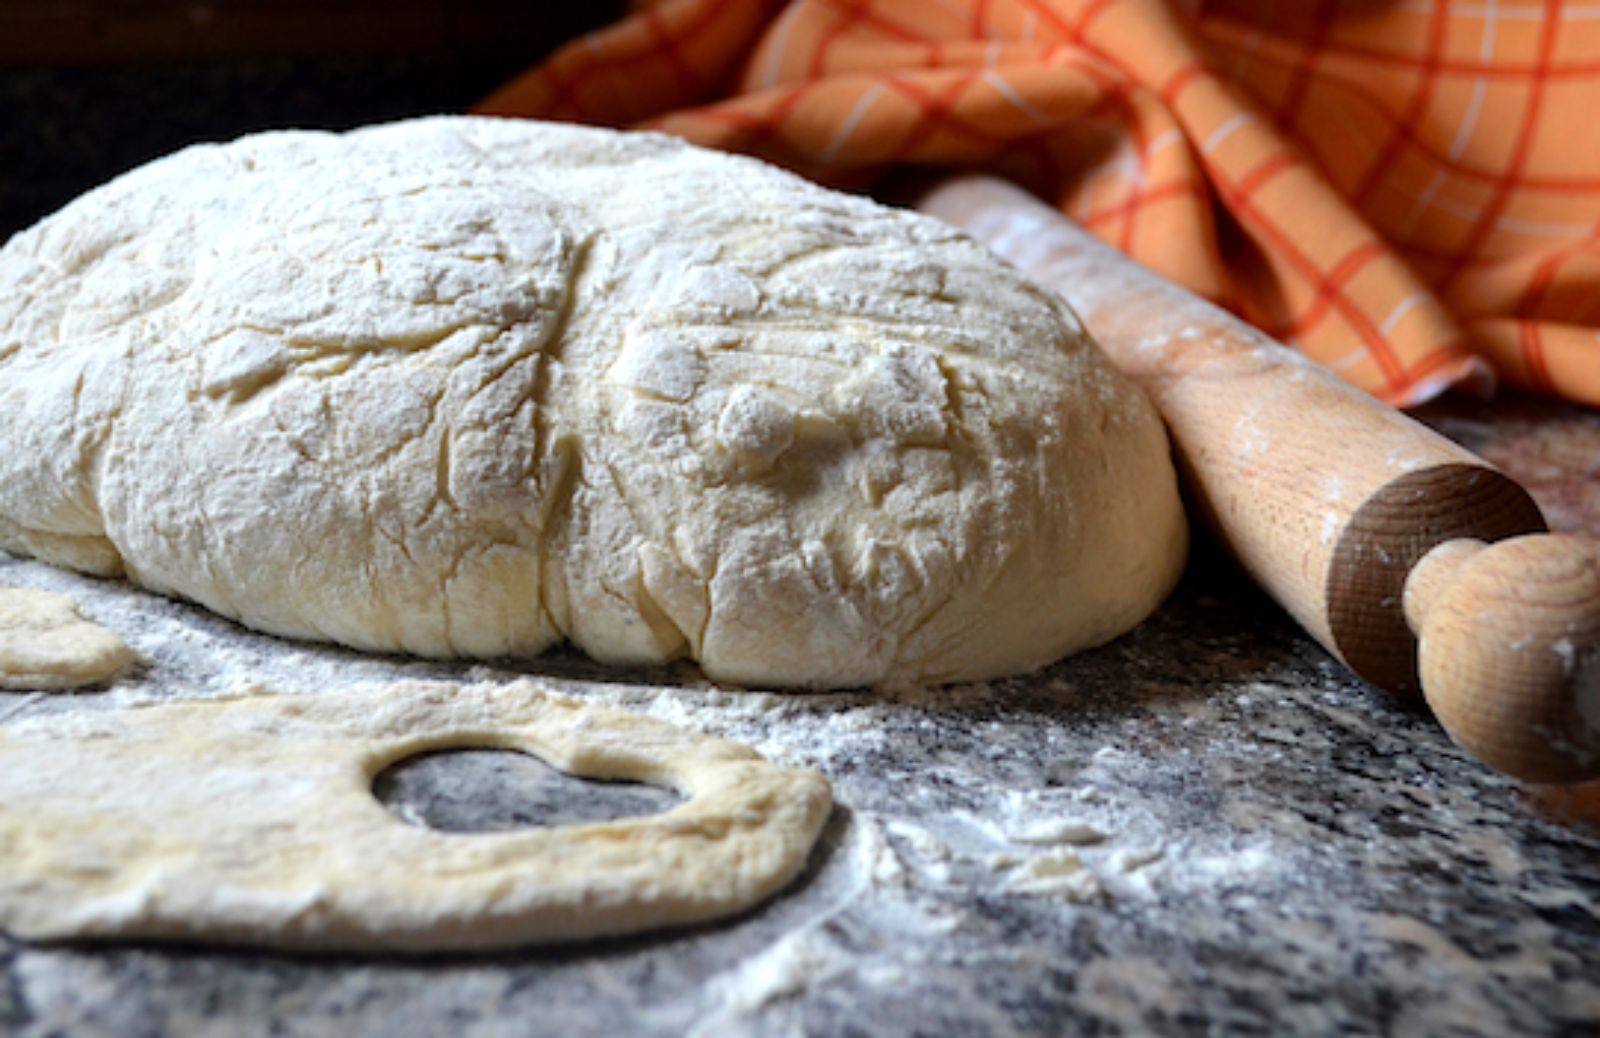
{"x": 1406, "y": 190}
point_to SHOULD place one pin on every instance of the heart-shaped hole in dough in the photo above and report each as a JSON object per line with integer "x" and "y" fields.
{"x": 483, "y": 789}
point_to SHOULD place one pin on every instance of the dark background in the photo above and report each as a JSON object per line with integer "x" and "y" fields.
{"x": 91, "y": 88}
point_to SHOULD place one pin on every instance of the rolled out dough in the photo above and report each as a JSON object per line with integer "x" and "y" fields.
{"x": 252, "y": 821}
{"x": 469, "y": 387}
{"x": 47, "y": 645}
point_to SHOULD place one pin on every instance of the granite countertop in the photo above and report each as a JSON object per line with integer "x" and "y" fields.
{"x": 1206, "y": 826}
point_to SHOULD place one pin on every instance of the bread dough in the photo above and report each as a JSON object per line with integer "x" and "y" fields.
{"x": 467, "y": 387}
{"x": 252, "y": 821}
{"x": 46, "y": 644}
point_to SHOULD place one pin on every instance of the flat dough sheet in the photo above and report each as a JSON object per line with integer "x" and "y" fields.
{"x": 252, "y": 821}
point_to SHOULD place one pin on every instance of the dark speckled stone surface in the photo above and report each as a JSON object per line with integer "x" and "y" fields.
{"x": 1206, "y": 827}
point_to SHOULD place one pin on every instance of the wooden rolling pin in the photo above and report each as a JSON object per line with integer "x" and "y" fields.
{"x": 1408, "y": 557}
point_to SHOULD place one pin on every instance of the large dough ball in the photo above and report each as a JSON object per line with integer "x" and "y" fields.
{"x": 467, "y": 387}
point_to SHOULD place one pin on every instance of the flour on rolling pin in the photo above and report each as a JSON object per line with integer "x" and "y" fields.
{"x": 1332, "y": 501}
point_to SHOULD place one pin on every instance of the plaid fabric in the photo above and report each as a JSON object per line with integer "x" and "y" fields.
{"x": 1408, "y": 191}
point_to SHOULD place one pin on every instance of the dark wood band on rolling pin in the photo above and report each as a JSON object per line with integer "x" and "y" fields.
{"x": 1385, "y": 537}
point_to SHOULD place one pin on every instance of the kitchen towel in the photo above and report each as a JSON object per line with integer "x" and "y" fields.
{"x": 1406, "y": 190}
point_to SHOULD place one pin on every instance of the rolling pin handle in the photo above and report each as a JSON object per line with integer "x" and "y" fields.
{"x": 1509, "y": 650}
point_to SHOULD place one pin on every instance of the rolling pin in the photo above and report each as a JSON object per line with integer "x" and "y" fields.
{"x": 1409, "y": 558}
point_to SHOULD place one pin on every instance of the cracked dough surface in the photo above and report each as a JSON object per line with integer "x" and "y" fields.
{"x": 46, "y": 644}
{"x": 252, "y": 821}
{"x": 469, "y": 387}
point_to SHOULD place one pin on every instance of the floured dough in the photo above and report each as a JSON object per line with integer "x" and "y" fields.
{"x": 471, "y": 386}
{"x": 45, "y": 643}
{"x": 252, "y": 821}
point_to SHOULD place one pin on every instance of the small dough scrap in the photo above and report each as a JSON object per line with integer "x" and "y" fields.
{"x": 46, "y": 644}
{"x": 252, "y": 821}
